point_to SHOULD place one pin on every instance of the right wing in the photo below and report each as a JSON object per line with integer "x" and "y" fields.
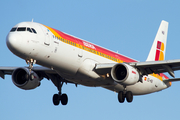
{"x": 6, "y": 71}
{"x": 43, "y": 72}
{"x": 9, "y": 70}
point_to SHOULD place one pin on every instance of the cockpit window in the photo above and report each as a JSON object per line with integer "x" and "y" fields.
{"x": 29, "y": 29}
{"x": 21, "y": 29}
{"x": 13, "y": 29}
{"x": 34, "y": 30}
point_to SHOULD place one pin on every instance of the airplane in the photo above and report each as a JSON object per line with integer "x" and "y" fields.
{"x": 63, "y": 58}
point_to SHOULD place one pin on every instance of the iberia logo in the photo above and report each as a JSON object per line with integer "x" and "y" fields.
{"x": 145, "y": 78}
{"x": 159, "y": 51}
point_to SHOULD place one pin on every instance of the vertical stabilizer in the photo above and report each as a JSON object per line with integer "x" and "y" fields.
{"x": 158, "y": 48}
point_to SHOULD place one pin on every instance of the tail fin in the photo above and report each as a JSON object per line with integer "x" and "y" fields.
{"x": 158, "y": 48}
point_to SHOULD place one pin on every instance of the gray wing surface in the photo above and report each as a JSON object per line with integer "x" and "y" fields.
{"x": 157, "y": 67}
{"x": 9, "y": 70}
{"x": 43, "y": 72}
{"x": 145, "y": 68}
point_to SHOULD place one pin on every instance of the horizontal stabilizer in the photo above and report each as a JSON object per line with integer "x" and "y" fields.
{"x": 171, "y": 80}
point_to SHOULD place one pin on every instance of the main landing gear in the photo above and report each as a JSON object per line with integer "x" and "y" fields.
{"x": 60, "y": 97}
{"x": 125, "y": 94}
{"x": 57, "y": 81}
{"x": 57, "y": 98}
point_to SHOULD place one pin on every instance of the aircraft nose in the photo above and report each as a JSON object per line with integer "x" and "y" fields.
{"x": 13, "y": 41}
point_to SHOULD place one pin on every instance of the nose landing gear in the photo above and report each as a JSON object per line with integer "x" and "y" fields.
{"x": 30, "y": 62}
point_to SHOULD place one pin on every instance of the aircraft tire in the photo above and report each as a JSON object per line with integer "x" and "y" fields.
{"x": 121, "y": 97}
{"x": 64, "y": 99}
{"x": 129, "y": 96}
{"x": 56, "y": 99}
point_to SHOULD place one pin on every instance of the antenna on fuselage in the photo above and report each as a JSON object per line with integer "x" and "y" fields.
{"x": 32, "y": 20}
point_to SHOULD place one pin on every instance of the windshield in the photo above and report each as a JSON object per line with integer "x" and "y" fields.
{"x": 20, "y": 29}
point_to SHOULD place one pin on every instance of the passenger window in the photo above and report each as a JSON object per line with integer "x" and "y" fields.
{"x": 28, "y": 29}
{"x": 13, "y": 29}
{"x": 21, "y": 29}
{"x": 34, "y": 30}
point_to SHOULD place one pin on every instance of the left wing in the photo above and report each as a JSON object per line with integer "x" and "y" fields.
{"x": 144, "y": 68}
{"x": 157, "y": 67}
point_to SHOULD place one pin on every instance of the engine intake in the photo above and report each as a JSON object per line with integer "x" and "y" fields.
{"x": 23, "y": 79}
{"x": 124, "y": 74}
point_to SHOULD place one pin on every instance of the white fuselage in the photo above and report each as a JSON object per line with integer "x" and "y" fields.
{"x": 69, "y": 61}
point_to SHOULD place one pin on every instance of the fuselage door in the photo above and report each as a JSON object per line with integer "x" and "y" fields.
{"x": 47, "y": 38}
{"x": 80, "y": 51}
{"x": 47, "y": 35}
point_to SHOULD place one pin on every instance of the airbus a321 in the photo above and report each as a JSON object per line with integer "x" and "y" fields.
{"x": 67, "y": 59}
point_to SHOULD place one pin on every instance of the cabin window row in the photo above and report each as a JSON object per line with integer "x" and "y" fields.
{"x": 88, "y": 49}
{"x": 64, "y": 40}
{"x": 101, "y": 54}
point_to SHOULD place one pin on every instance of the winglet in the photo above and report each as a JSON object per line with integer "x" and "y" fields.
{"x": 158, "y": 48}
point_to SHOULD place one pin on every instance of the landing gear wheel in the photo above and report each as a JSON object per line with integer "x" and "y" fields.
{"x": 121, "y": 96}
{"x": 64, "y": 99}
{"x": 56, "y": 99}
{"x": 129, "y": 96}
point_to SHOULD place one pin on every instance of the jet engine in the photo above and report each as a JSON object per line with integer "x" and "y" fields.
{"x": 124, "y": 74}
{"x": 23, "y": 79}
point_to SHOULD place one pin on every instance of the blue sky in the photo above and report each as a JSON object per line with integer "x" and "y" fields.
{"x": 126, "y": 26}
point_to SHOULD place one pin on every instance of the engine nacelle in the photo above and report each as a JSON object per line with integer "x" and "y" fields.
{"x": 24, "y": 80}
{"x": 124, "y": 74}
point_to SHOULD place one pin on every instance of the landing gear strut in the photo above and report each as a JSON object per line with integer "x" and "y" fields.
{"x": 125, "y": 94}
{"x": 57, "y": 98}
{"x": 30, "y": 62}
